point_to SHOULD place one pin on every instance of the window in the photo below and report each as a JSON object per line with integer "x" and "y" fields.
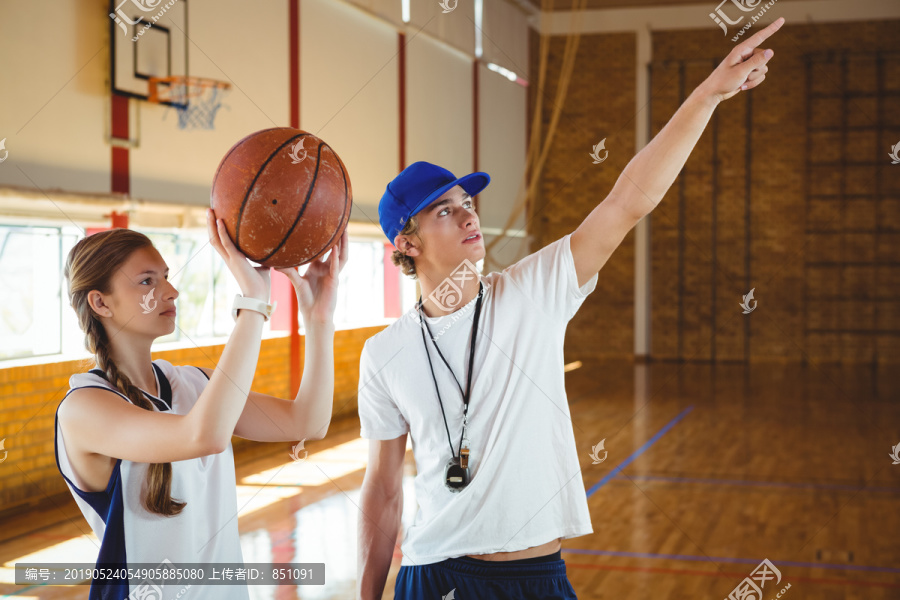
{"x": 36, "y": 319}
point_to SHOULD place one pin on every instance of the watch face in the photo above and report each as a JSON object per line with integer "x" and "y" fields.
{"x": 455, "y": 477}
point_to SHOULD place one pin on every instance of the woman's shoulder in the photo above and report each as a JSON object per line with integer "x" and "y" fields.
{"x": 184, "y": 371}
{"x": 91, "y": 378}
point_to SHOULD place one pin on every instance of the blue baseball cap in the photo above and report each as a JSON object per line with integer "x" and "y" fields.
{"x": 417, "y": 186}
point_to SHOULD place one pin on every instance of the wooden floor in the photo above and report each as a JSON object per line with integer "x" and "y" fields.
{"x": 710, "y": 470}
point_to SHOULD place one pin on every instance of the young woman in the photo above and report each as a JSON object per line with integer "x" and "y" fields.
{"x": 144, "y": 445}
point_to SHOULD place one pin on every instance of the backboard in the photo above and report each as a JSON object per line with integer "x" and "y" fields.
{"x": 148, "y": 38}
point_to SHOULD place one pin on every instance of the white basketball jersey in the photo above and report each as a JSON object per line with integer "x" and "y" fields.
{"x": 206, "y": 530}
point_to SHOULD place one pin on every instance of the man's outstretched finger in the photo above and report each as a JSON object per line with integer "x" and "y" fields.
{"x": 746, "y": 48}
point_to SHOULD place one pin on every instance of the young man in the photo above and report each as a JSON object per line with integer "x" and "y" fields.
{"x": 474, "y": 374}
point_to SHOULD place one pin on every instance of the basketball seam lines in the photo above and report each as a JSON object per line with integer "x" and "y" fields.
{"x": 344, "y": 175}
{"x": 312, "y": 186}
{"x": 237, "y": 229}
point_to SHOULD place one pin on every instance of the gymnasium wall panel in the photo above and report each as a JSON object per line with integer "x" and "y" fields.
{"x": 501, "y": 154}
{"x": 349, "y": 94}
{"x": 439, "y": 106}
{"x": 456, "y": 28}
{"x": 389, "y": 10}
{"x": 505, "y": 38}
{"x": 54, "y": 104}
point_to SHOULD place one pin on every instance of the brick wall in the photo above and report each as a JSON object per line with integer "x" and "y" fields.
{"x": 770, "y": 198}
{"x": 599, "y": 104}
{"x": 30, "y": 395}
{"x": 790, "y": 191}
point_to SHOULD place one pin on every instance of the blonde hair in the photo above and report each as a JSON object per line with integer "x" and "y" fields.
{"x": 406, "y": 263}
{"x": 90, "y": 266}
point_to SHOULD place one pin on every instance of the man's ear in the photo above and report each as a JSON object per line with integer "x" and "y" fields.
{"x": 406, "y": 245}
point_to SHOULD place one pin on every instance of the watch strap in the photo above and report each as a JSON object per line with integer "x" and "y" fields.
{"x": 242, "y": 302}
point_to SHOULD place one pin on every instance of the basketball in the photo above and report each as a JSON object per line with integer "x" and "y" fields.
{"x": 284, "y": 196}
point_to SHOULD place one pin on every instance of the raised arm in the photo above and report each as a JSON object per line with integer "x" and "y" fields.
{"x": 307, "y": 416}
{"x": 648, "y": 176}
{"x": 269, "y": 418}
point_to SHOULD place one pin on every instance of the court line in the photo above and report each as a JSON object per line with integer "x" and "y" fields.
{"x": 728, "y": 559}
{"x": 862, "y": 583}
{"x": 17, "y": 592}
{"x": 639, "y": 451}
{"x": 822, "y": 486}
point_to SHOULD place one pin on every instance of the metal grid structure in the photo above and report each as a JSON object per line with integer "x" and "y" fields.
{"x": 839, "y": 229}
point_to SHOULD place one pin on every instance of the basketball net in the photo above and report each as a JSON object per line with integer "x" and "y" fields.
{"x": 196, "y": 99}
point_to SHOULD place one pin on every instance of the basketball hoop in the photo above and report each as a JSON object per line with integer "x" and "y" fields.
{"x": 196, "y": 99}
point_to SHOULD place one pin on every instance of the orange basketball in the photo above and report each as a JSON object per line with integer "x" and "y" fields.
{"x": 284, "y": 196}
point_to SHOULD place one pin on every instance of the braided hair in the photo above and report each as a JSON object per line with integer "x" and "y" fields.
{"x": 90, "y": 266}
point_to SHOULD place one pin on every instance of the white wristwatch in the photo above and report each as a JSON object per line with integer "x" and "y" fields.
{"x": 241, "y": 302}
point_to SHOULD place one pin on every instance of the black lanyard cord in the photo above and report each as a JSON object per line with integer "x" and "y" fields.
{"x": 471, "y": 364}
{"x": 428, "y": 354}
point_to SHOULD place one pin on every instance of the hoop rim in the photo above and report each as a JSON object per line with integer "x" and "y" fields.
{"x": 201, "y": 84}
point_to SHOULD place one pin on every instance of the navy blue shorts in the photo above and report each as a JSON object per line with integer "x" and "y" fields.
{"x": 541, "y": 578}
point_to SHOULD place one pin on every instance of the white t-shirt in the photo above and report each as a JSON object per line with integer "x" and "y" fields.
{"x": 205, "y": 531}
{"x": 525, "y": 484}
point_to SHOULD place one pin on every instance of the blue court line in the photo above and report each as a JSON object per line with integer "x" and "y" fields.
{"x": 17, "y": 592}
{"x": 639, "y": 451}
{"x": 821, "y": 486}
{"x": 727, "y": 559}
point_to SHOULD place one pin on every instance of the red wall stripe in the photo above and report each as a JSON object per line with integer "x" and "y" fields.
{"x": 475, "y": 121}
{"x": 401, "y": 64}
{"x": 120, "y": 181}
{"x": 392, "y": 304}
{"x": 294, "y": 62}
